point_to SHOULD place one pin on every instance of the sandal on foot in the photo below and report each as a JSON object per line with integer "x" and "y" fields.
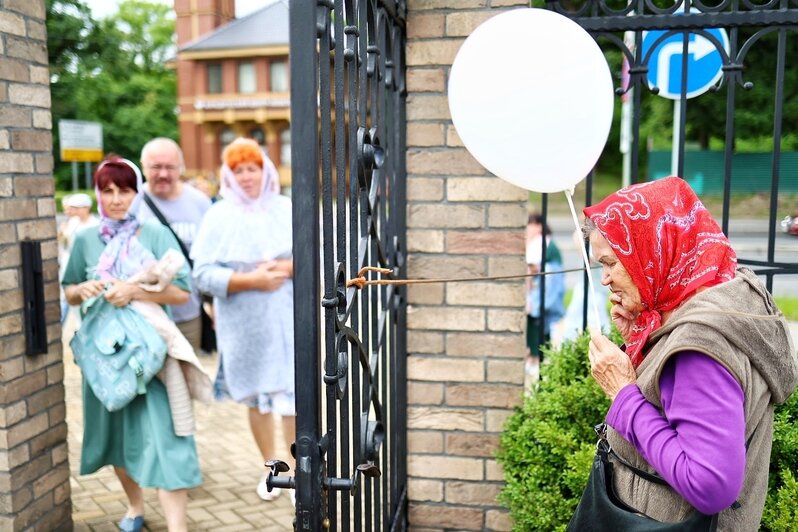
{"x": 131, "y": 524}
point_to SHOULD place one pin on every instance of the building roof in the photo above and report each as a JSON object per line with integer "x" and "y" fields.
{"x": 265, "y": 27}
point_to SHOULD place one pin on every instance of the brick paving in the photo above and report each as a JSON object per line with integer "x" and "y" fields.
{"x": 230, "y": 463}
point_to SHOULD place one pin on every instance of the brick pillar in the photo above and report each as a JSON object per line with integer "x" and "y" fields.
{"x": 34, "y": 472}
{"x": 465, "y": 340}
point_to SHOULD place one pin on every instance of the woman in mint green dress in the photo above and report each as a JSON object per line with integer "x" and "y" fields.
{"x": 139, "y": 440}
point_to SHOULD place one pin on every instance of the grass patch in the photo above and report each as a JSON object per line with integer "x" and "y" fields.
{"x": 789, "y": 306}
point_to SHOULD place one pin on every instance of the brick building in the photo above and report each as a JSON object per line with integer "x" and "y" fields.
{"x": 232, "y": 81}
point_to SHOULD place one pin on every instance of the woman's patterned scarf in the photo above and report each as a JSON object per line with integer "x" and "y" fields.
{"x": 123, "y": 255}
{"x": 668, "y": 243}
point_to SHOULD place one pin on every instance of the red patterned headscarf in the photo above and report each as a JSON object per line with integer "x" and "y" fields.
{"x": 668, "y": 243}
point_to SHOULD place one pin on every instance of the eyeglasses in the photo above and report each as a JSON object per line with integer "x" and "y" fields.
{"x": 156, "y": 168}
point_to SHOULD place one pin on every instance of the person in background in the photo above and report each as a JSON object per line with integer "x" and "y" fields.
{"x": 243, "y": 257}
{"x": 707, "y": 354}
{"x": 206, "y": 185}
{"x": 139, "y": 440}
{"x": 553, "y": 306}
{"x": 69, "y": 214}
{"x": 183, "y": 208}
{"x": 77, "y": 208}
{"x": 571, "y": 325}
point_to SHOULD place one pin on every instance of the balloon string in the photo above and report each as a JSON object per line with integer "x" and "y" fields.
{"x": 360, "y": 281}
{"x": 569, "y": 196}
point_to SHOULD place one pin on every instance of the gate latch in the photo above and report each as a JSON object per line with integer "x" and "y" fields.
{"x": 351, "y": 484}
{"x": 276, "y": 481}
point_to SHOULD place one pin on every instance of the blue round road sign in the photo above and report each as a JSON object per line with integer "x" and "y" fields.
{"x": 704, "y": 62}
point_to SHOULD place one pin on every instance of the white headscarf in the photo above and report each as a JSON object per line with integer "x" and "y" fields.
{"x": 270, "y": 184}
{"x": 242, "y": 229}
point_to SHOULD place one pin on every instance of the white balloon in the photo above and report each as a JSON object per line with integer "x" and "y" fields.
{"x": 531, "y": 96}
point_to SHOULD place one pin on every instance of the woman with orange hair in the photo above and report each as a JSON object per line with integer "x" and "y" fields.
{"x": 243, "y": 257}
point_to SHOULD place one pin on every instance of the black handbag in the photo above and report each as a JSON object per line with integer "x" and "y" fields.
{"x": 600, "y": 509}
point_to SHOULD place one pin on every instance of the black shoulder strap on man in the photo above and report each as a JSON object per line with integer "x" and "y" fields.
{"x": 161, "y": 218}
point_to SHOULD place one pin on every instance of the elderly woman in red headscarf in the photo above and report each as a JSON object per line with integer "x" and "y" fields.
{"x": 707, "y": 354}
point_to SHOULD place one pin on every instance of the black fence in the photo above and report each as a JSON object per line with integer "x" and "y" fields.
{"x": 752, "y": 94}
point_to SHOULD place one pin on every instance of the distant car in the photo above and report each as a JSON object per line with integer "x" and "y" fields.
{"x": 790, "y": 224}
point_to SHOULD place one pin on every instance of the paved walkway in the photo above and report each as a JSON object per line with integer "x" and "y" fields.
{"x": 230, "y": 463}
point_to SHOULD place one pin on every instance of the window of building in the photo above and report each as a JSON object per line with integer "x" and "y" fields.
{"x": 257, "y": 135}
{"x": 285, "y": 147}
{"x": 247, "y": 83}
{"x": 214, "y": 78}
{"x": 278, "y": 73}
{"x": 226, "y": 136}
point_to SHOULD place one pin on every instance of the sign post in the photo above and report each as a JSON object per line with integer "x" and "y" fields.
{"x": 704, "y": 70}
{"x": 81, "y": 141}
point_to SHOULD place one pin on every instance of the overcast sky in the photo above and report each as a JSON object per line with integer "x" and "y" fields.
{"x": 103, "y": 8}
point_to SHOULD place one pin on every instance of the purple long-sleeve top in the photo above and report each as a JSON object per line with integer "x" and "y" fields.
{"x": 698, "y": 445}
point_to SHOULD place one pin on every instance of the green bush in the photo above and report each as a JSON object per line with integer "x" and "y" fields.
{"x": 549, "y": 442}
{"x": 781, "y": 512}
{"x": 548, "y": 445}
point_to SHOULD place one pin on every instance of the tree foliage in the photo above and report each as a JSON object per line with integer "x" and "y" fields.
{"x": 113, "y": 71}
{"x": 754, "y": 108}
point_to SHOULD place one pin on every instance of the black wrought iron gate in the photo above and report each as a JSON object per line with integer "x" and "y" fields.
{"x": 762, "y": 52}
{"x": 348, "y": 166}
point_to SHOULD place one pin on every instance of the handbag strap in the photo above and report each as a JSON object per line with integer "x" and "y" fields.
{"x": 161, "y": 218}
{"x": 603, "y": 446}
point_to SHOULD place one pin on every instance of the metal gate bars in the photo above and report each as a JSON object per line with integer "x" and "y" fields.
{"x": 348, "y": 149}
{"x": 760, "y": 41}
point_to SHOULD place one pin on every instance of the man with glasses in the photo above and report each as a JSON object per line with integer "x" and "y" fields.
{"x": 182, "y": 208}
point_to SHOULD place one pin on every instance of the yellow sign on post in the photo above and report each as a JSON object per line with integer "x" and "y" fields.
{"x": 81, "y": 141}
{"x": 81, "y": 155}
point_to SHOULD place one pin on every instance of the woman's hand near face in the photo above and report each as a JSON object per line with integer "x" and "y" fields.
{"x": 610, "y": 366}
{"x": 621, "y": 317}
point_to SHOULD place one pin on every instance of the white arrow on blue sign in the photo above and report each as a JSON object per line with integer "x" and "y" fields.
{"x": 704, "y": 62}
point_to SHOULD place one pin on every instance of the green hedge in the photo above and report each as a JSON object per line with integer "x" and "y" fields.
{"x": 781, "y": 511}
{"x": 548, "y": 445}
